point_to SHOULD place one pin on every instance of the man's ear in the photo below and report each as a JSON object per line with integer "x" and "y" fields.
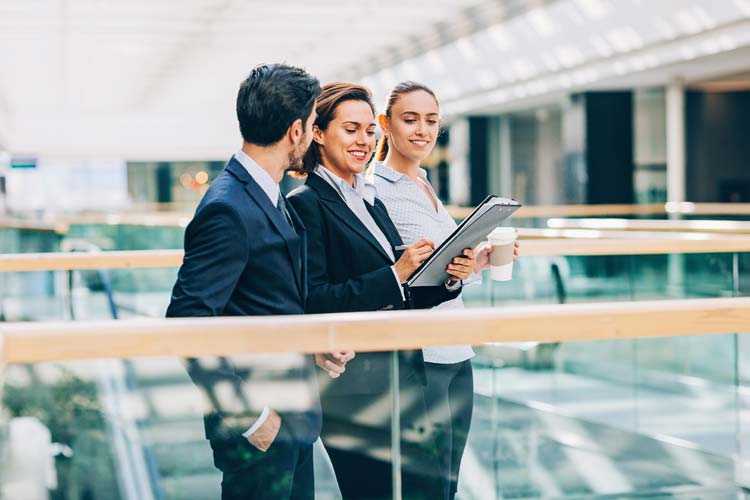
{"x": 383, "y": 122}
{"x": 296, "y": 131}
{"x": 317, "y": 135}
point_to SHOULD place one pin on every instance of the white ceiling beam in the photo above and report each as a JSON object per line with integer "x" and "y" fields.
{"x": 178, "y": 56}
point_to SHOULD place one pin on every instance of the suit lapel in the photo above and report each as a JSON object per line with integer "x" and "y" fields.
{"x": 291, "y": 239}
{"x": 338, "y": 207}
{"x": 380, "y": 215}
{"x": 302, "y": 232}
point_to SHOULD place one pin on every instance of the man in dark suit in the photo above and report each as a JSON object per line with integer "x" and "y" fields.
{"x": 245, "y": 254}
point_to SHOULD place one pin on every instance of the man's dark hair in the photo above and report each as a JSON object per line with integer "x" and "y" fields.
{"x": 271, "y": 98}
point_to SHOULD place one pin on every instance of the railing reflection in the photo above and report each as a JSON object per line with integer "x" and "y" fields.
{"x": 535, "y": 432}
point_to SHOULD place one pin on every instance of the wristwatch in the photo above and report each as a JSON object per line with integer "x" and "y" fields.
{"x": 452, "y": 284}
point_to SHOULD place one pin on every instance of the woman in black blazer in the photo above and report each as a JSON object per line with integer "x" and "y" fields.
{"x": 353, "y": 265}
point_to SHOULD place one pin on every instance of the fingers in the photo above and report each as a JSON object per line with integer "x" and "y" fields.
{"x": 462, "y": 261}
{"x": 343, "y": 357}
{"x": 424, "y": 250}
{"x": 334, "y": 363}
{"x": 461, "y": 268}
{"x": 483, "y": 246}
{"x": 333, "y": 368}
{"x": 422, "y": 243}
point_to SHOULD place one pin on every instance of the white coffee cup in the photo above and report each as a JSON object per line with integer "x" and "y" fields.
{"x": 503, "y": 241}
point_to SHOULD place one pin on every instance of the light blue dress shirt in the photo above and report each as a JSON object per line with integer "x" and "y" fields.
{"x": 259, "y": 175}
{"x": 415, "y": 217}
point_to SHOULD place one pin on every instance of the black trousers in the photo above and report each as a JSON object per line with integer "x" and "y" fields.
{"x": 449, "y": 396}
{"x": 284, "y": 472}
{"x": 357, "y": 436}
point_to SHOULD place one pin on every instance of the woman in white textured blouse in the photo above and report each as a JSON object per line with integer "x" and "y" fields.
{"x": 411, "y": 125}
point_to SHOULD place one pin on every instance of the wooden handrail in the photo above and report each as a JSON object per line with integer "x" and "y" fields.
{"x": 56, "y": 261}
{"x": 155, "y": 217}
{"x": 535, "y": 243}
{"x": 373, "y": 331}
{"x": 685, "y": 208}
{"x": 706, "y": 226}
{"x": 57, "y": 227}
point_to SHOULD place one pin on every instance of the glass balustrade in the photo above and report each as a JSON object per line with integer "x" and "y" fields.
{"x": 136, "y": 429}
{"x": 631, "y": 418}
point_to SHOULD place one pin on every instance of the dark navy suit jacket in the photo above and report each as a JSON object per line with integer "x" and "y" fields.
{"x": 243, "y": 259}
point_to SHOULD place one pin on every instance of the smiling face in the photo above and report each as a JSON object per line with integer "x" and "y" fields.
{"x": 413, "y": 125}
{"x": 347, "y": 144}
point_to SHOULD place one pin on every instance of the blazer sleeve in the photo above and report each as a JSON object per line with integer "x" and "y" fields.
{"x": 216, "y": 252}
{"x": 370, "y": 291}
{"x": 426, "y": 297}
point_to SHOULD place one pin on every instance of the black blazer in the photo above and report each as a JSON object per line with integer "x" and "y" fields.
{"x": 243, "y": 259}
{"x": 348, "y": 271}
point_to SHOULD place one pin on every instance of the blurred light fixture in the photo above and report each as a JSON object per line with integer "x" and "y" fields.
{"x": 665, "y": 29}
{"x": 486, "y": 78}
{"x": 500, "y": 35}
{"x": 593, "y": 9}
{"x": 601, "y": 46}
{"x": 707, "y": 22}
{"x": 466, "y": 47}
{"x": 687, "y": 21}
{"x": 744, "y": 6}
{"x": 550, "y": 61}
{"x": 727, "y": 42}
{"x": 409, "y": 70}
{"x": 201, "y": 177}
{"x": 688, "y": 52}
{"x": 541, "y": 21}
{"x": 436, "y": 61}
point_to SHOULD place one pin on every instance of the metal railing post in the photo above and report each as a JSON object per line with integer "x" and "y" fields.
{"x": 395, "y": 427}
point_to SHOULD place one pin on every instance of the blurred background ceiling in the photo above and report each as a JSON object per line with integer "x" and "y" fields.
{"x": 155, "y": 79}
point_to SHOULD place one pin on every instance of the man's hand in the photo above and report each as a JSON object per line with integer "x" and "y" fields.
{"x": 264, "y": 436}
{"x": 334, "y": 363}
{"x": 413, "y": 256}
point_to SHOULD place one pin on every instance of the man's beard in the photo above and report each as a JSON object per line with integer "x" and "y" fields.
{"x": 295, "y": 159}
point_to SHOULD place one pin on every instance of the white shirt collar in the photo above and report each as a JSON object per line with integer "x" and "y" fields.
{"x": 362, "y": 186}
{"x": 391, "y": 175}
{"x": 259, "y": 175}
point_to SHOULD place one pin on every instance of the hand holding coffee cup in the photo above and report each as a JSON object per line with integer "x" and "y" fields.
{"x": 503, "y": 241}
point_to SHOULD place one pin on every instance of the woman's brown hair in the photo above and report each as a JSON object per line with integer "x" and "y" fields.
{"x": 333, "y": 94}
{"x": 402, "y": 88}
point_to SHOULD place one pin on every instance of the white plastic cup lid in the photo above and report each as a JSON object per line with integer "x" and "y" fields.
{"x": 503, "y": 233}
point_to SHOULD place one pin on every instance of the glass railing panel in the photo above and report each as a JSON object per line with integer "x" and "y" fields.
{"x": 568, "y": 279}
{"x": 28, "y": 240}
{"x": 129, "y": 237}
{"x": 169, "y": 428}
{"x": 85, "y": 294}
{"x": 547, "y": 423}
{"x": 538, "y": 426}
{"x": 137, "y": 429}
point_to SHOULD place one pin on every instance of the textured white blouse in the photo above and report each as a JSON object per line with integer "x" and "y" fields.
{"x": 415, "y": 217}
